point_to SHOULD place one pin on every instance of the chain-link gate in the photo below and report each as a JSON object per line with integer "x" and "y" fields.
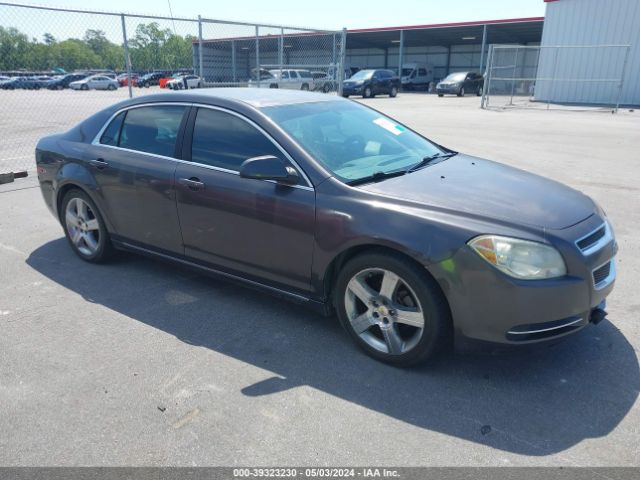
{"x": 59, "y": 65}
{"x": 547, "y": 77}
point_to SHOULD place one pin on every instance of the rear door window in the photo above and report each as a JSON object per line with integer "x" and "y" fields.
{"x": 111, "y": 135}
{"x": 152, "y": 129}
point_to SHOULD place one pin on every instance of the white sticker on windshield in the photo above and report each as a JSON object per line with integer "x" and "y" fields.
{"x": 390, "y": 126}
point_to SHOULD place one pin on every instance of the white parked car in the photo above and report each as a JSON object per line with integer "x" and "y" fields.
{"x": 193, "y": 81}
{"x": 97, "y": 82}
{"x": 293, "y": 79}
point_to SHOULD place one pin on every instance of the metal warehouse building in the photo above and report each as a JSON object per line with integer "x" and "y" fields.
{"x": 446, "y": 47}
{"x": 593, "y": 64}
{"x": 582, "y": 51}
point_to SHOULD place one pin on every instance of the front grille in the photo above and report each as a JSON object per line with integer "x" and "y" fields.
{"x": 601, "y": 273}
{"x": 591, "y": 239}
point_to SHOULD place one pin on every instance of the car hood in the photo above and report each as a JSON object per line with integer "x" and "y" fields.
{"x": 490, "y": 190}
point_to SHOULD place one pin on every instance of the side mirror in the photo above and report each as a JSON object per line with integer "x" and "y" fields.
{"x": 268, "y": 167}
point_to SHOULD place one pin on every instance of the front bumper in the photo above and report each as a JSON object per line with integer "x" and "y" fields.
{"x": 488, "y": 305}
{"x": 447, "y": 88}
{"x": 352, "y": 89}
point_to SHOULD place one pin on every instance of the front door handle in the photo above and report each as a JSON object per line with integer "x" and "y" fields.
{"x": 99, "y": 163}
{"x": 192, "y": 183}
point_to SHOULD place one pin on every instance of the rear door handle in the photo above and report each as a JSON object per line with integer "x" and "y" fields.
{"x": 192, "y": 183}
{"x": 99, "y": 163}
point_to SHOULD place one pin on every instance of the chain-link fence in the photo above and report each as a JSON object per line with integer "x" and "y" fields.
{"x": 557, "y": 77}
{"x": 58, "y": 65}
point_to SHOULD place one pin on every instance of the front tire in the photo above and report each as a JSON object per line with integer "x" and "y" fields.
{"x": 84, "y": 227}
{"x": 392, "y": 309}
{"x": 305, "y": 87}
{"x": 368, "y": 93}
{"x": 394, "y": 92}
{"x": 84, "y": 87}
{"x": 441, "y": 94}
{"x": 461, "y": 92}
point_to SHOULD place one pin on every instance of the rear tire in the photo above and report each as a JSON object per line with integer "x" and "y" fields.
{"x": 84, "y": 227}
{"x": 441, "y": 94}
{"x": 461, "y": 92}
{"x": 305, "y": 87}
{"x": 394, "y": 92}
{"x": 84, "y": 87}
{"x": 367, "y": 93}
{"x": 403, "y": 319}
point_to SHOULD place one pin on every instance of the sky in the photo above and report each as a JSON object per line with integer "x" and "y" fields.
{"x": 325, "y": 14}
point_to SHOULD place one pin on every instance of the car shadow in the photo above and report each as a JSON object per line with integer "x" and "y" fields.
{"x": 533, "y": 402}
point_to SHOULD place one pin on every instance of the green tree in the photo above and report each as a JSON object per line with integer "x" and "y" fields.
{"x": 14, "y": 48}
{"x": 48, "y": 38}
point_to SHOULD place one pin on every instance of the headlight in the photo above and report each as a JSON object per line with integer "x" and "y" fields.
{"x": 520, "y": 258}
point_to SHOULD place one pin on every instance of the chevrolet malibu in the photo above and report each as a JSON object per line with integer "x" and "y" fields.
{"x": 327, "y": 202}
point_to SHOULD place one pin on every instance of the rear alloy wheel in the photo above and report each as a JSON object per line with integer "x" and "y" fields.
{"x": 84, "y": 227}
{"x": 394, "y": 92}
{"x": 367, "y": 92}
{"x": 392, "y": 309}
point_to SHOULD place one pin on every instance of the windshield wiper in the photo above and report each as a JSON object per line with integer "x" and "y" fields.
{"x": 428, "y": 159}
{"x": 376, "y": 177}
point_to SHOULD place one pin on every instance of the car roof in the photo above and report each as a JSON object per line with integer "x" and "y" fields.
{"x": 254, "y": 97}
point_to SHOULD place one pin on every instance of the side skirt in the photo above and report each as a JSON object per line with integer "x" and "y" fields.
{"x": 317, "y": 306}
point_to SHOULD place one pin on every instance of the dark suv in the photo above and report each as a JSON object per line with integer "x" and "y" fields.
{"x": 151, "y": 79}
{"x": 370, "y": 83}
{"x": 461, "y": 83}
{"x": 64, "y": 81}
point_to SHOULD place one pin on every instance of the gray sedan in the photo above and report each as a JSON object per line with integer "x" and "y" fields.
{"x": 332, "y": 204}
{"x": 95, "y": 82}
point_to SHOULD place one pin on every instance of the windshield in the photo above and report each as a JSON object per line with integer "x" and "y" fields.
{"x": 350, "y": 140}
{"x": 362, "y": 75}
{"x": 264, "y": 74}
{"x": 455, "y": 77}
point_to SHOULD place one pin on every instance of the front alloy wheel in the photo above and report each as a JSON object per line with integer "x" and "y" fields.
{"x": 384, "y": 311}
{"x": 392, "y": 308}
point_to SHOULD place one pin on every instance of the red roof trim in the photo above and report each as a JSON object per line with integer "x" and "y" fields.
{"x": 444, "y": 25}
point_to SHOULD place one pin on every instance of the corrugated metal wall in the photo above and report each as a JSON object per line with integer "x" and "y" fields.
{"x": 589, "y": 22}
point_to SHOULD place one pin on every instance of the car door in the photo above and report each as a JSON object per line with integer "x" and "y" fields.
{"x": 253, "y": 228}
{"x": 295, "y": 82}
{"x": 470, "y": 83}
{"x": 133, "y": 163}
{"x": 378, "y": 83}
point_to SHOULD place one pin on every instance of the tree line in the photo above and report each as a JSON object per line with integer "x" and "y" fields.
{"x": 150, "y": 48}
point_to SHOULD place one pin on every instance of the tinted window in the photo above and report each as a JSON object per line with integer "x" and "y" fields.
{"x": 294, "y": 74}
{"x": 285, "y": 74}
{"x": 152, "y": 129}
{"x": 305, "y": 74}
{"x": 422, "y": 72}
{"x": 111, "y": 135}
{"x": 224, "y": 140}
